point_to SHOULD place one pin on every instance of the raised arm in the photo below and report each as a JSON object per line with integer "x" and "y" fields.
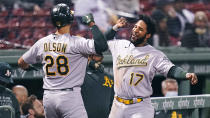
{"x": 98, "y": 37}
{"x": 109, "y": 35}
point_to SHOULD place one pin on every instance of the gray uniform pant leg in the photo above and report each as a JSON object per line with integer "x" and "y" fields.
{"x": 143, "y": 109}
{"x": 64, "y": 104}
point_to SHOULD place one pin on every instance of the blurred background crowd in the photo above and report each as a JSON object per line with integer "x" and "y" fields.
{"x": 181, "y": 23}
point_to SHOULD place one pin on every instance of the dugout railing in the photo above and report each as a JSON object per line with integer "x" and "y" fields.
{"x": 191, "y": 104}
{"x": 7, "y": 112}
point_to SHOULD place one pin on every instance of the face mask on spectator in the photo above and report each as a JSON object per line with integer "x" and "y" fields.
{"x": 171, "y": 93}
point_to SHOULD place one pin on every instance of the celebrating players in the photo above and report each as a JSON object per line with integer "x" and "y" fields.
{"x": 135, "y": 64}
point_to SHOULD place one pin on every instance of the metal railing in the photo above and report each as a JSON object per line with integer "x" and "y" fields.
{"x": 190, "y": 103}
{"x": 7, "y": 112}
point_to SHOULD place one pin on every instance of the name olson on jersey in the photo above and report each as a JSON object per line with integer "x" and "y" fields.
{"x": 129, "y": 60}
{"x": 55, "y": 47}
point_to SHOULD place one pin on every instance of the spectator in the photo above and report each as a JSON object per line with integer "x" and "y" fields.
{"x": 162, "y": 30}
{"x": 33, "y": 108}
{"x": 186, "y": 16}
{"x": 173, "y": 21}
{"x": 7, "y": 98}
{"x": 21, "y": 93}
{"x": 97, "y": 87}
{"x": 169, "y": 89}
{"x": 199, "y": 34}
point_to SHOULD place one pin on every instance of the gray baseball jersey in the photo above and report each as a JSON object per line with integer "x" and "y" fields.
{"x": 64, "y": 58}
{"x": 135, "y": 67}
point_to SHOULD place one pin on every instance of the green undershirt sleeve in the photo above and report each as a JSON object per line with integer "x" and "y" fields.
{"x": 99, "y": 40}
{"x": 177, "y": 73}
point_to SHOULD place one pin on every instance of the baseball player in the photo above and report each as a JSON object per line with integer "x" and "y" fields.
{"x": 64, "y": 58}
{"x": 97, "y": 89}
{"x": 135, "y": 64}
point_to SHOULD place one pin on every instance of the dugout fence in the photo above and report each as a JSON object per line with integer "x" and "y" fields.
{"x": 192, "y": 105}
{"x": 7, "y": 112}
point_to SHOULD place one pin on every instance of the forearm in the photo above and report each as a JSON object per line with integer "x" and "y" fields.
{"x": 99, "y": 40}
{"x": 25, "y": 66}
{"x": 22, "y": 64}
{"x": 109, "y": 35}
{"x": 177, "y": 73}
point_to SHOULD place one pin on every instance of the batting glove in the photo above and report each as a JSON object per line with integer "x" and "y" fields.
{"x": 87, "y": 19}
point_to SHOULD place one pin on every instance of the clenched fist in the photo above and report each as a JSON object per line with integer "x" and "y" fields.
{"x": 88, "y": 19}
{"x": 122, "y": 22}
{"x": 192, "y": 77}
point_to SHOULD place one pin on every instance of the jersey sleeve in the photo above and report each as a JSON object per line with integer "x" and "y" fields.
{"x": 163, "y": 64}
{"x": 85, "y": 46}
{"x": 30, "y": 56}
{"x": 112, "y": 45}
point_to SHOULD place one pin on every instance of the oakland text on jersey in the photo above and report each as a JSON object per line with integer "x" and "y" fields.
{"x": 55, "y": 47}
{"x": 129, "y": 60}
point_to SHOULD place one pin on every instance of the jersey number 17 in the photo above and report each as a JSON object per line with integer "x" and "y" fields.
{"x": 139, "y": 78}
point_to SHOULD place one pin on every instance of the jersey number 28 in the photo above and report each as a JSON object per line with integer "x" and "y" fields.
{"x": 61, "y": 65}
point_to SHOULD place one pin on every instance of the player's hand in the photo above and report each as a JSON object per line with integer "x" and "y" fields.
{"x": 122, "y": 22}
{"x": 192, "y": 77}
{"x": 88, "y": 20}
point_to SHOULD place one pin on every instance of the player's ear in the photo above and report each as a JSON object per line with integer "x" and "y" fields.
{"x": 31, "y": 111}
{"x": 148, "y": 36}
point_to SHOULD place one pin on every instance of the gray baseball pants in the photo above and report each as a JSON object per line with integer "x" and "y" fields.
{"x": 64, "y": 104}
{"x": 143, "y": 109}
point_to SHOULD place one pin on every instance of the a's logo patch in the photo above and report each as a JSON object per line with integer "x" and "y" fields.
{"x": 58, "y": 23}
{"x": 8, "y": 73}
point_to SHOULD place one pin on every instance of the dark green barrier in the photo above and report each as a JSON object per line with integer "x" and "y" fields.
{"x": 189, "y": 103}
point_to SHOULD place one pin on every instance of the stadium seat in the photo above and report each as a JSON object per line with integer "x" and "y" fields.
{"x": 41, "y": 12}
{"x": 196, "y": 7}
{"x": 26, "y": 22}
{"x": 25, "y": 33}
{"x": 39, "y": 23}
{"x": 39, "y": 33}
{"x": 14, "y": 23}
{"x": 4, "y": 13}
{"x": 28, "y": 42}
{"x": 3, "y": 24}
{"x": 18, "y": 12}
{"x": 12, "y": 34}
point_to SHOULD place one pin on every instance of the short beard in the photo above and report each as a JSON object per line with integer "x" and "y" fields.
{"x": 39, "y": 116}
{"x": 139, "y": 40}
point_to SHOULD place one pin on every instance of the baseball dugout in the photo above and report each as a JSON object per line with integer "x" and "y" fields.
{"x": 191, "y": 105}
{"x": 7, "y": 112}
